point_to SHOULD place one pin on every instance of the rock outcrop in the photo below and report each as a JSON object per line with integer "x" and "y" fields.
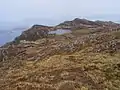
{"x": 34, "y": 33}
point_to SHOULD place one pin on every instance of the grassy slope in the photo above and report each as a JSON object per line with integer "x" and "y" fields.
{"x": 83, "y": 69}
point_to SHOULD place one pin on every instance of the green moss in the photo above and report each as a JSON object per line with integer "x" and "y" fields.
{"x": 117, "y": 34}
{"x": 82, "y": 31}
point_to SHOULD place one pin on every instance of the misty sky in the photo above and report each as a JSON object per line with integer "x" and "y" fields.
{"x": 17, "y": 10}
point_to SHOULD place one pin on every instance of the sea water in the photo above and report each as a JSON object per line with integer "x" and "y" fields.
{"x": 60, "y": 31}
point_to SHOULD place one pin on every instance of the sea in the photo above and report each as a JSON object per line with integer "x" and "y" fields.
{"x": 8, "y": 35}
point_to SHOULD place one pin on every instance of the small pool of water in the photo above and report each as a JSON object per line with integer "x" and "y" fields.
{"x": 60, "y": 31}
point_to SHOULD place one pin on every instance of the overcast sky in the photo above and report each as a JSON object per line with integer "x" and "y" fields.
{"x": 17, "y": 10}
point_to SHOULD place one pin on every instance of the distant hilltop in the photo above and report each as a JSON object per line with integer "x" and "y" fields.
{"x": 84, "y": 23}
{"x": 40, "y": 31}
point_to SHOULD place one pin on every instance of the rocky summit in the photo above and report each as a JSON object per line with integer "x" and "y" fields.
{"x": 87, "y": 58}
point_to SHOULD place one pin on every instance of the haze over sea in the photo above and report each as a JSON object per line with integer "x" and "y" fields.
{"x": 25, "y": 13}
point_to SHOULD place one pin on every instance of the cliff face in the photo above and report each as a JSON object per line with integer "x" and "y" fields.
{"x": 84, "y": 59}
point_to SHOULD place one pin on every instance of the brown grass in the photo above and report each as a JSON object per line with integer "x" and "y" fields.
{"x": 83, "y": 69}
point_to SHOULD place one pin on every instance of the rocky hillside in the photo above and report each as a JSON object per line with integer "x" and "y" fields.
{"x": 83, "y": 23}
{"x": 34, "y": 33}
{"x": 85, "y": 59}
